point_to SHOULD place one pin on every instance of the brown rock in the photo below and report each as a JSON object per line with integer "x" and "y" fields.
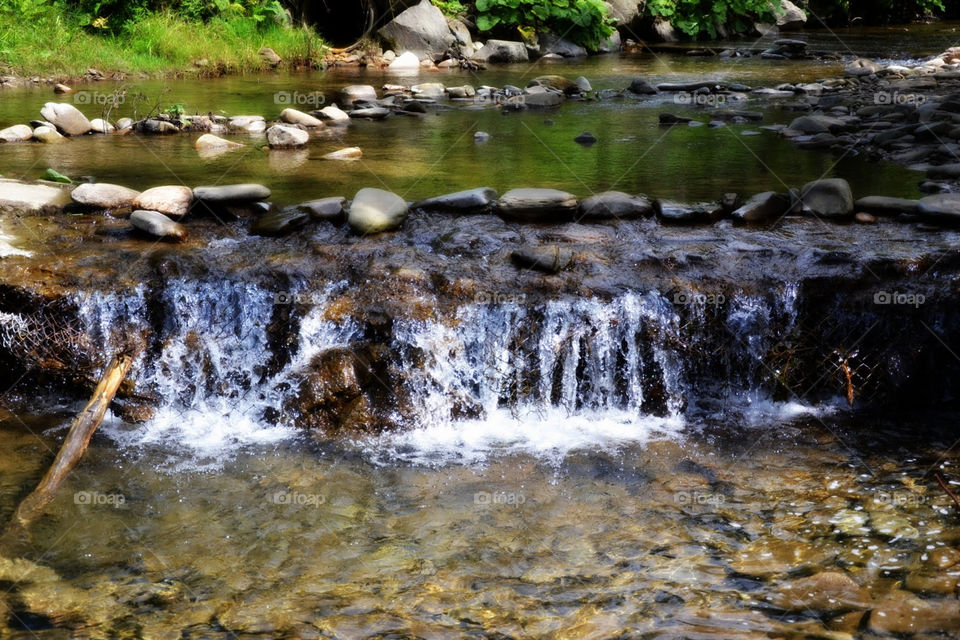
{"x": 865, "y": 218}
{"x": 903, "y": 612}
{"x": 829, "y": 591}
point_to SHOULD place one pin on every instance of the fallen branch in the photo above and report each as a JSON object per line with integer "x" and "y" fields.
{"x": 943, "y": 485}
{"x": 76, "y": 442}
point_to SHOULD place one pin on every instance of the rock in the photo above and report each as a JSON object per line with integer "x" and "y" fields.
{"x": 371, "y": 113}
{"x": 502, "y": 51}
{"x": 942, "y": 558}
{"x": 470, "y": 200}
{"x": 551, "y": 43}
{"x": 883, "y": 206}
{"x": 99, "y": 125}
{"x": 293, "y": 116}
{"x": 791, "y": 16}
{"x": 158, "y": 126}
{"x": 941, "y": 207}
{"x": 584, "y": 85}
{"x": 269, "y": 57}
{"x": 616, "y": 204}
{"x": 829, "y": 198}
{"x": 421, "y": 29}
{"x": 173, "y": 201}
{"x": 664, "y": 30}
{"x": 102, "y": 195}
{"x": 949, "y": 171}
{"x": 232, "y": 193}
{"x": 935, "y": 584}
{"x": 555, "y": 82}
{"x": 766, "y": 557}
{"x": 586, "y": 139}
{"x": 862, "y": 67}
{"x": 281, "y": 136}
{"x": 817, "y": 124}
{"x": 375, "y": 211}
{"x": 47, "y": 134}
{"x": 16, "y": 133}
{"x": 901, "y": 612}
{"x": 624, "y": 11}
{"x": 544, "y": 100}
{"x": 612, "y": 44}
{"x": 828, "y": 591}
{"x": 250, "y": 124}
{"x": 547, "y": 258}
{"x": 357, "y": 93}
{"x": 678, "y": 213}
{"x": 406, "y": 61}
{"x": 461, "y": 33}
{"x": 329, "y": 209}
{"x": 66, "y": 117}
{"x": 671, "y": 119}
{"x": 642, "y": 86}
{"x": 537, "y": 205}
{"x": 429, "y": 90}
{"x": 465, "y": 91}
{"x": 865, "y": 218}
{"x": 61, "y": 88}
{"x": 124, "y": 123}
{"x": 210, "y": 142}
{"x": 22, "y": 197}
{"x": 762, "y": 207}
{"x": 158, "y": 225}
{"x": 280, "y": 222}
{"x": 334, "y": 114}
{"x": 349, "y": 153}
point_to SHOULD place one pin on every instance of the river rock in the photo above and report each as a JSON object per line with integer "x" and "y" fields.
{"x": 680, "y": 213}
{"x": 551, "y": 43}
{"x": 828, "y": 591}
{"x": 348, "y": 153}
{"x": 232, "y": 193}
{"x": 949, "y": 171}
{"x": 16, "y": 133}
{"x": 210, "y": 142}
{"x": 294, "y": 116}
{"x": 641, "y": 86}
{"x": 329, "y": 209}
{"x": 102, "y": 195}
{"x": 616, "y": 204}
{"x": 429, "y": 90}
{"x": 862, "y": 67}
{"x": 99, "y": 125}
{"x": 768, "y": 556}
{"x": 817, "y": 124}
{"x": 66, "y": 117}
{"x": 281, "y": 136}
{"x": 470, "y": 200}
{"x": 22, "y": 197}
{"x": 370, "y": 113}
{"x": 376, "y": 210}
{"x": 269, "y": 57}
{"x": 901, "y": 612}
{"x": 542, "y": 100}
{"x": 158, "y": 126}
{"x": 406, "y": 61}
{"x": 762, "y": 207}
{"x": 47, "y": 134}
{"x": 250, "y": 124}
{"x": 670, "y": 119}
{"x": 884, "y": 206}
{"x": 791, "y": 17}
{"x": 586, "y": 139}
{"x": 334, "y": 114}
{"x": 546, "y": 258}
{"x": 124, "y": 123}
{"x": 863, "y": 217}
{"x": 173, "y": 201}
{"x": 280, "y": 222}
{"x": 158, "y": 225}
{"x": 357, "y": 93}
{"x": 828, "y": 198}
{"x": 421, "y": 29}
{"x": 537, "y": 205}
{"x": 502, "y": 51}
{"x": 555, "y": 82}
{"x": 942, "y": 206}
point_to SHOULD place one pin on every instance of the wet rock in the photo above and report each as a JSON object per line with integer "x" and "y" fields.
{"x": 375, "y": 211}
{"x": 949, "y": 171}
{"x": 546, "y": 258}
{"x": 477, "y": 199}
{"x": 334, "y": 114}
{"x": 943, "y": 207}
{"x": 429, "y": 90}
{"x": 421, "y": 29}
{"x": 884, "y": 206}
{"x": 294, "y": 116}
{"x": 766, "y": 557}
{"x": 22, "y": 197}
{"x": 280, "y": 222}
{"x": 551, "y": 43}
{"x": 281, "y": 136}
{"x": 616, "y": 204}
{"x": 762, "y": 207}
{"x": 828, "y": 198}
{"x": 502, "y": 51}
{"x": 903, "y": 612}
{"x": 157, "y": 126}
{"x": 559, "y": 83}
{"x": 66, "y": 117}
{"x": 232, "y": 193}
{"x": 537, "y": 205}
{"x": 680, "y": 213}
{"x": 828, "y": 591}
{"x": 210, "y": 142}
{"x": 890, "y": 524}
{"x": 102, "y": 195}
{"x": 348, "y": 153}
{"x": 942, "y": 558}
{"x": 931, "y": 584}
{"x": 357, "y": 93}
{"x": 370, "y": 113}
{"x": 544, "y": 100}
{"x": 269, "y": 57}
{"x": 328, "y": 209}
{"x": 406, "y": 61}
{"x": 862, "y": 67}
{"x": 586, "y": 139}
{"x": 817, "y": 124}
{"x": 250, "y": 124}
{"x": 61, "y": 88}
{"x": 584, "y": 85}
{"x": 48, "y": 135}
{"x": 173, "y": 201}
{"x": 332, "y": 394}
{"x": 641, "y": 86}
{"x": 865, "y": 218}
{"x": 158, "y": 225}
{"x": 99, "y": 125}
{"x": 481, "y": 137}
{"x": 465, "y": 91}
{"x": 16, "y": 133}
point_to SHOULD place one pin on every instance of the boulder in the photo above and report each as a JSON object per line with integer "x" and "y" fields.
{"x": 791, "y": 17}
{"x": 158, "y": 225}
{"x": 333, "y": 114}
{"x": 537, "y": 205}
{"x": 22, "y": 197}
{"x": 232, "y": 193}
{"x": 612, "y": 44}
{"x": 99, "y": 125}
{"x": 461, "y": 33}
{"x": 624, "y": 11}
{"x": 250, "y": 124}
{"x": 406, "y": 61}
{"x": 884, "y": 206}
{"x": 269, "y": 57}
{"x": 16, "y": 133}
{"x": 462, "y": 201}
{"x": 429, "y": 90}
{"x": 551, "y": 43}
{"x": 47, "y": 134}
{"x": 762, "y": 207}
{"x": 502, "y": 51}
{"x": 294, "y": 116}
{"x": 281, "y": 136}
{"x": 357, "y": 93}
{"x": 642, "y": 86}
{"x": 545, "y": 258}
{"x": 280, "y": 222}
{"x": 349, "y": 153}
{"x": 942, "y": 207}
{"x": 421, "y": 29}
{"x": 375, "y": 211}
{"x": 616, "y": 204}
{"x": 555, "y": 82}
{"x": 829, "y": 198}
{"x": 862, "y": 67}
{"x": 66, "y": 117}
{"x": 102, "y": 195}
{"x": 173, "y": 201}
{"x": 329, "y": 209}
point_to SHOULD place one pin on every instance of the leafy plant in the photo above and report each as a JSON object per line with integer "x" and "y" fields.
{"x": 705, "y": 17}
{"x": 175, "y": 110}
{"x": 586, "y": 22}
{"x": 452, "y": 8}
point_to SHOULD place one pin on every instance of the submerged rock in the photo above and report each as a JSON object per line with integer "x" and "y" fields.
{"x": 829, "y": 591}
{"x": 170, "y": 200}
{"x": 349, "y": 153}
{"x": 375, "y": 211}
{"x": 902, "y": 612}
{"x": 158, "y": 225}
{"x": 102, "y": 195}
{"x": 470, "y": 200}
{"x": 537, "y": 205}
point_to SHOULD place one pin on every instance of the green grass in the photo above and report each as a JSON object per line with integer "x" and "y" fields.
{"x": 157, "y": 44}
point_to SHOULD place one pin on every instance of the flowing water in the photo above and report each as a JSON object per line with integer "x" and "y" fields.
{"x": 611, "y": 466}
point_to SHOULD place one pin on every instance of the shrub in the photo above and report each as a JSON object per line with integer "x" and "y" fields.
{"x": 586, "y": 22}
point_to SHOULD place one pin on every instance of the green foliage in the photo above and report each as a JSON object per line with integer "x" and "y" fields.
{"x": 875, "y": 11}
{"x": 452, "y": 8}
{"x": 586, "y": 22}
{"x": 175, "y": 110}
{"x": 703, "y": 17}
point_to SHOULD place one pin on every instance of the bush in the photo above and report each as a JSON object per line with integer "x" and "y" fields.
{"x": 586, "y": 22}
{"x": 874, "y": 11}
{"x": 704, "y": 17}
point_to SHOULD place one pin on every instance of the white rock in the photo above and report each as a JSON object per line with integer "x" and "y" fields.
{"x": 283, "y": 136}
{"x": 104, "y": 195}
{"x": 99, "y": 125}
{"x": 170, "y": 200}
{"x": 334, "y": 114}
{"x": 66, "y": 117}
{"x": 47, "y": 134}
{"x": 406, "y": 61}
{"x": 350, "y": 153}
{"x": 16, "y": 133}
{"x": 210, "y": 142}
{"x": 293, "y": 116}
